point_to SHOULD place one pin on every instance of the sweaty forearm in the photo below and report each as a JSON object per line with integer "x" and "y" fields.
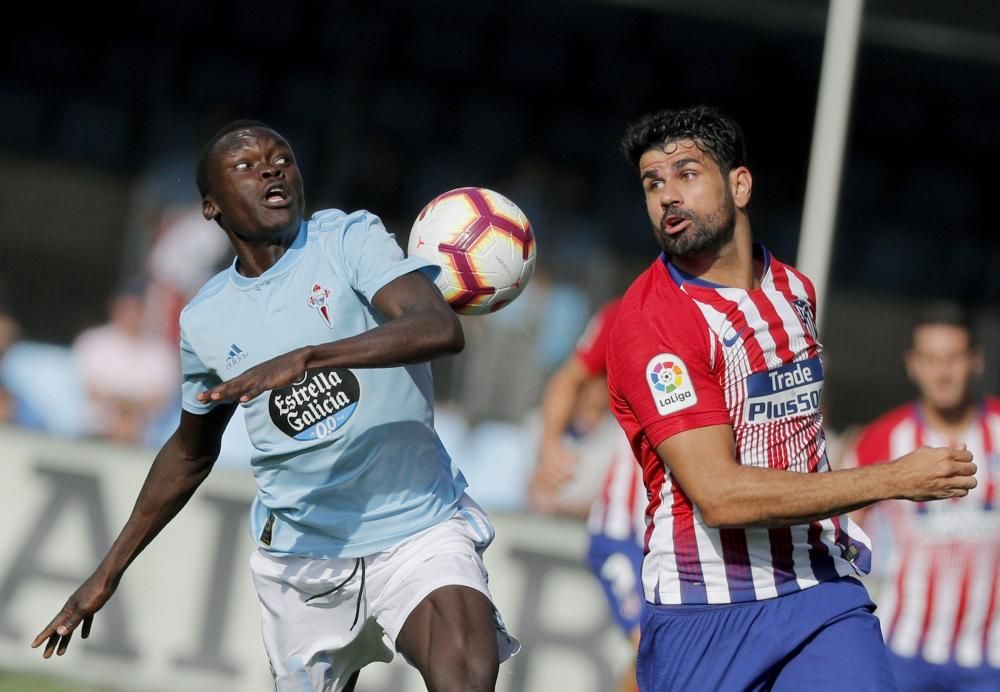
{"x": 172, "y": 479}
{"x": 751, "y": 496}
{"x": 412, "y": 338}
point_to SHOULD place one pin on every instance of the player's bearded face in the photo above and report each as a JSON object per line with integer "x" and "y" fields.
{"x": 707, "y": 233}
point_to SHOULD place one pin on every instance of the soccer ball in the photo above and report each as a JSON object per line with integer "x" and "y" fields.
{"x": 482, "y": 242}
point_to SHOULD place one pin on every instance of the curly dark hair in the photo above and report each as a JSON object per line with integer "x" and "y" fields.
{"x": 716, "y": 134}
{"x": 201, "y": 171}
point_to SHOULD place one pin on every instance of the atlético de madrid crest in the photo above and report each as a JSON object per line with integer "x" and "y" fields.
{"x": 319, "y": 299}
{"x": 804, "y": 311}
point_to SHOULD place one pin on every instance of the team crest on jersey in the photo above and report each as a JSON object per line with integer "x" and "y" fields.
{"x": 320, "y": 299}
{"x": 670, "y": 384}
{"x": 804, "y": 311}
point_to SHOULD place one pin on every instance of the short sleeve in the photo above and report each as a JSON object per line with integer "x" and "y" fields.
{"x": 665, "y": 380}
{"x": 370, "y": 256}
{"x": 592, "y": 348}
{"x": 196, "y": 379}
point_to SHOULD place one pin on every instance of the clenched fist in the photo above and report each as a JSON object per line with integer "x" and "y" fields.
{"x": 934, "y": 473}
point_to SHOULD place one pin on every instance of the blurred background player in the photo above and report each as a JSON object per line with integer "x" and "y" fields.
{"x": 938, "y": 592}
{"x": 715, "y": 375}
{"x": 616, "y": 521}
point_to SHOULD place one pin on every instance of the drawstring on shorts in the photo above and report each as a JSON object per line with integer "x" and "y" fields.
{"x": 361, "y": 592}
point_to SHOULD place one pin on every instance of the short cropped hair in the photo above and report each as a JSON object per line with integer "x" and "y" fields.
{"x": 716, "y": 134}
{"x": 947, "y": 314}
{"x": 201, "y": 172}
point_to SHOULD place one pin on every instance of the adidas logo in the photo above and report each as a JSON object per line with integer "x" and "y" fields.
{"x": 236, "y": 355}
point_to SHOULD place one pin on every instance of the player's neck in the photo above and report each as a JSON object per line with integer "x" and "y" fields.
{"x": 256, "y": 256}
{"x": 949, "y": 421}
{"x": 732, "y": 266}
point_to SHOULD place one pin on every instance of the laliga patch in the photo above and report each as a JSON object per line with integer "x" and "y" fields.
{"x": 317, "y": 405}
{"x": 670, "y": 384}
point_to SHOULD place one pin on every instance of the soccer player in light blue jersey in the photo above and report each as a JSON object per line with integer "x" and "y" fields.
{"x": 322, "y": 330}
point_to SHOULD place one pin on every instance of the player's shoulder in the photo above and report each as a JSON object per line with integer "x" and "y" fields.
{"x": 341, "y": 233}
{"x": 655, "y": 314}
{"x": 780, "y": 267}
{"x": 327, "y": 222}
{"x": 873, "y": 445}
{"x": 991, "y": 404}
{"x": 206, "y": 295}
{"x": 881, "y": 428}
{"x": 607, "y": 315}
{"x": 655, "y": 297}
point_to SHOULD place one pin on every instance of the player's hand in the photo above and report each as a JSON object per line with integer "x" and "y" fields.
{"x": 81, "y": 606}
{"x": 271, "y": 374}
{"x": 935, "y": 473}
{"x": 556, "y": 466}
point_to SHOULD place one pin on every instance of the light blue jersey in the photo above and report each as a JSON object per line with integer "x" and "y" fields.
{"x": 347, "y": 462}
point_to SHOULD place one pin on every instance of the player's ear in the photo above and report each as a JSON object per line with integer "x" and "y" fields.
{"x": 978, "y": 362}
{"x": 909, "y": 362}
{"x": 209, "y": 209}
{"x": 740, "y": 183}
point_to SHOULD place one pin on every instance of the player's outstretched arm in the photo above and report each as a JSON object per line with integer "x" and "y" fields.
{"x": 729, "y": 494}
{"x": 555, "y": 463}
{"x": 420, "y": 327}
{"x": 179, "y": 468}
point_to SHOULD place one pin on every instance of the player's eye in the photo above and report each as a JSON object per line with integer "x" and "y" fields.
{"x": 688, "y": 175}
{"x": 283, "y": 160}
{"x": 242, "y": 165}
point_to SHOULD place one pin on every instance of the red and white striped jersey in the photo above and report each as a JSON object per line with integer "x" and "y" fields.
{"x": 685, "y": 354}
{"x": 938, "y": 595}
{"x": 619, "y": 509}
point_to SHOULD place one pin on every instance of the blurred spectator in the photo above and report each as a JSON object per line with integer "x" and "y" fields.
{"x": 8, "y": 333}
{"x": 187, "y": 251}
{"x": 129, "y": 376}
{"x": 13, "y": 409}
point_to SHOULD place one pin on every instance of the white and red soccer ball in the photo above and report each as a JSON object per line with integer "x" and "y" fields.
{"x": 482, "y": 242}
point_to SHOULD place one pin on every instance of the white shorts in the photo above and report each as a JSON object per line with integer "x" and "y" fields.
{"x": 323, "y": 619}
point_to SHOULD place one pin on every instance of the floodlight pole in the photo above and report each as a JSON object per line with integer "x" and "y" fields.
{"x": 826, "y": 159}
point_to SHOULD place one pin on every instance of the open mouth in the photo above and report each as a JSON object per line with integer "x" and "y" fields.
{"x": 277, "y": 196}
{"x": 675, "y": 224}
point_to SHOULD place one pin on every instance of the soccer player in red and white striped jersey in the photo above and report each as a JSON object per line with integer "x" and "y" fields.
{"x": 715, "y": 375}
{"x": 939, "y": 602}
{"x": 616, "y": 521}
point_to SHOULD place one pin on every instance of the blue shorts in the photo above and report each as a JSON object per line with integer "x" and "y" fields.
{"x": 822, "y": 639}
{"x": 617, "y": 564}
{"x": 917, "y": 675}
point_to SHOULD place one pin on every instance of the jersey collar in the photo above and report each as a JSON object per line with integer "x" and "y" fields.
{"x": 682, "y": 278}
{"x": 284, "y": 263}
